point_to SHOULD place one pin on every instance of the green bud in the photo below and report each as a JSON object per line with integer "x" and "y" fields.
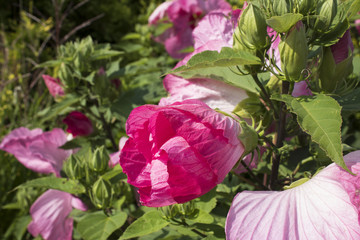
{"x": 102, "y": 193}
{"x": 100, "y": 160}
{"x": 326, "y": 11}
{"x": 74, "y": 168}
{"x": 170, "y": 211}
{"x": 188, "y": 208}
{"x": 293, "y": 53}
{"x": 306, "y": 6}
{"x": 251, "y": 33}
{"x": 333, "y": 75}
{"x": 280, "y": 7}
{"x": 248, "y": 137}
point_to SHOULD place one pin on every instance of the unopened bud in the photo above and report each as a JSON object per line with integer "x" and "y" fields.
{"x": 306, "y": 6}
{"x": 74, "y": 168}
{"x": 170, "y": 211}
{"x": 100, "y": 160}
{"x": 325, "y": 13}
{"x": 251, "y": 32}
{"x": 102, "y": 193}
{"x": 293, "y": 53}
{"x": 280, "y": 7}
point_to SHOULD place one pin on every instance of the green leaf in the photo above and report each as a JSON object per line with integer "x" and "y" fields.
{"x": 226, "y": 58}
{"x": 148, "y": 223}
{"x": 20, "y": 226}
{"x": 283, "y": 23}
{"x": 350, "y": 102}
{"x": 207, "y": 202}
{"x": 59, "y": 108}
{"x": 202, "y": 217}
{"x": 62, "y": 184}
{"x": 98, "y": 226}
{"x": 320, "y": 117}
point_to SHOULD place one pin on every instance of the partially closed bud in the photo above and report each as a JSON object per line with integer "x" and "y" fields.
{"x": 306, "y": 6}
{"x": 337, "y": 64}
{"x": 102, "y": 193}
{"x": 293, "y": 52}
{"x": 251, "y": 32}
{"x": 100, "y": 160}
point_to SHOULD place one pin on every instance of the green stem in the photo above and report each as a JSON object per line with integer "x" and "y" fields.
{"x": 265, "y": 94}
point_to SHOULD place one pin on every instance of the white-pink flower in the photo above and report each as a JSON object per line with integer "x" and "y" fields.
{"x": 325, "y": 207}
{"x": 37, "y": 150}
{"x": 50, "y": 215}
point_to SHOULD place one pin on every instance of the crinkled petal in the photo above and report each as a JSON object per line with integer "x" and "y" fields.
{"x": 50, "y": 216}
{"x": 19, "y": 134}
{"x": 318, "y": 209}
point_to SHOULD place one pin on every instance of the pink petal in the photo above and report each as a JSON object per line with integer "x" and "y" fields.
{"x": 160, "y": 12}
{"x": 115, "y": 157}
{"x": 301, "y": 89}
{"x": 54, "y": 86}
{"x": 19, "y": 134}
{"x": 50, "y": 216}
{"x": 78, "y": 124}
{"x": 39, "y": 153}
{"x": 322, "y": 208}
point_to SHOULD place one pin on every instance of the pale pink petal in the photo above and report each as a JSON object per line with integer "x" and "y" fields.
{"x": 115, "y": 157}
{"x": 18, "y": 134}
{"x": 40, "y": 153}
{"x": 322, "y": 208}
{"x": 50, "y": 216}
{"x": 54, "y": 86}
{"x": 214, "y": 93}
{"x": 78, "y": 204}
{"x": 214, "y": 26}
{"x": 160, "y": 12}
{"x": 218, "y": 5}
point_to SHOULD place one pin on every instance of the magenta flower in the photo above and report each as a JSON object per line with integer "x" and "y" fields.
{"x": 343, "y": 48}
{"x": 325, "y": 207}
{"x": 178, "y": 152}
{"x": 54, "y": 85}
{"x": 78, "y": 124}
{"x": 37, "y": 150}
{"x": 50, "y": 215}
{"x": 184, "y": 15}
{"x": 115, "y": 157}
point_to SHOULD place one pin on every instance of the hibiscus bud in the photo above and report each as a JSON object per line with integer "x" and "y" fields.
{"x": 251, "y": 32}
{"x": 170, "y": 211}
{"x": 178, "y": 152}
{"x": 337, "y": 63}
{"x": 100, "y": 160}
{"x": 102, "y": 193}
{"x": 74, "y": 168}
{"x": 248, "y": 137}
{"x": 188, "y": 208}
{"x": 281, "y": 7}
{"x": 293, "y": 52}
{"x": 326, "y": 11}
